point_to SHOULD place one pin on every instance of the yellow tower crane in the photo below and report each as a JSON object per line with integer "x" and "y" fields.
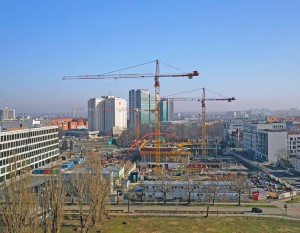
{"x": 203, "y": 121}
{"x": 156, "y": 77}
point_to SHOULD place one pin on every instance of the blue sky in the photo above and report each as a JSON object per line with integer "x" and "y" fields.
{"x": 246, "y": 49}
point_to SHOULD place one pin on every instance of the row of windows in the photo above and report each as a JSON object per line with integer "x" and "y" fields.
{"x": 32, "y": 150}
{"x": 26, "y": 147}
{"x": 13, "y": 144}
{"x": 31, "y": 154}
{"x": 27, "y": 134}
{"x": 27, "y": 162}
{"x": 33, "y": 166}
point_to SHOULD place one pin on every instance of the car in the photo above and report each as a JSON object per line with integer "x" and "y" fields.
{"x": 256, "y": 210}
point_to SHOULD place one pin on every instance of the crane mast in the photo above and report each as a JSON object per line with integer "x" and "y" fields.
{"x": 157, "y": 120}
{"x": 137, "y": 125}
{"x": 203, "y": 124}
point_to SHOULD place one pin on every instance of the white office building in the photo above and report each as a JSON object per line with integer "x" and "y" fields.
{"x": 27, "y": 148}
{"x": 269, "y": 143}
{"x": 265, "y": 139}
{"x": 250, "y": 129}
{"x": 107, "y": 114}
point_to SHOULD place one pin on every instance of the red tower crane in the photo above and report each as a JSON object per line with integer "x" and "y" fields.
{"x": 203, "y": 105}
{"x": 156, "y": 77}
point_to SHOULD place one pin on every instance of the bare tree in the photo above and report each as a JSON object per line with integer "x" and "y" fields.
{"x": 64, "y": 145}
{"x": 212, "y": 190}
{"x": 207, "y": 196}
{"x": 145, "y": 129}
{"x": 19, "y": 212}
{"x": 190, "y": 185}
{"x": 164, "y": 187}
{"x": 90, "y": 192}
{"x": 51, "y": 202}
{"x": 126, "y": 138}
{"x": 282, "y": 156}
{"x": 238, "y": 185}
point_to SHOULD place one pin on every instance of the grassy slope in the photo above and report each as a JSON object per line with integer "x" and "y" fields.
{"x": 198, "y": 224}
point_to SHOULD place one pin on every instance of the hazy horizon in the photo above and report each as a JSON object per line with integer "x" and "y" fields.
{"x": 246, "y": 49}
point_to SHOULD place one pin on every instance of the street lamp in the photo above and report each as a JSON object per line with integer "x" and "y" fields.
{"x": 128, "y": 201}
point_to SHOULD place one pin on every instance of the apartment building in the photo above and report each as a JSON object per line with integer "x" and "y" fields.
{"x": 27, "y": 148}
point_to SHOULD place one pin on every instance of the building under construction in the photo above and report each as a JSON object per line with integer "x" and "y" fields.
{"x": 169, "y": 153}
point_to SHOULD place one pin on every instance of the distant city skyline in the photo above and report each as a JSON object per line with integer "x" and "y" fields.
{"x": 246, "y": 49}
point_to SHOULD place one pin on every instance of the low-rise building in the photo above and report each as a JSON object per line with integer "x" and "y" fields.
{"x": 82, "y": 133}
{"x": 118, "y": 170}
{"x": 179, "y": 190}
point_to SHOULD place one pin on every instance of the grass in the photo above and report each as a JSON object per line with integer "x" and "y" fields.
{"x": 159, "y": 224}
{"x": 295, "y": 200}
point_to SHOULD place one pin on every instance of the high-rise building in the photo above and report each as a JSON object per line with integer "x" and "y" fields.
{"x": 143, "y": 102}
{"x": 7, "y": 114}
{"x": 27, "y": 148}
{"x": 166, "y": 107}
{"x": 107, "y": 114}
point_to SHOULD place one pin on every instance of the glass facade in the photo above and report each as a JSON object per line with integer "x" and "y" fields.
{"x": 142, "y": 101}
{"x": 166, "y": 110}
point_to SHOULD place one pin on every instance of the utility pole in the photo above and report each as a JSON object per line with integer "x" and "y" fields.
{"x": 128, "y": 195}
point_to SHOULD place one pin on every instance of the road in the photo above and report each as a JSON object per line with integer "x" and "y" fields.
{"x": 266, "y": 210}
{"x": 293, "y": 210}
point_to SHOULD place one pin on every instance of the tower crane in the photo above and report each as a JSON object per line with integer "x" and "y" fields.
{"x": 203, "y": 122}
{"x": 156, "y": 77}
{"x": 203, "y": 105}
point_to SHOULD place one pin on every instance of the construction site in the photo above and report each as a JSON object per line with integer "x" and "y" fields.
{"x": 160, "y": 164}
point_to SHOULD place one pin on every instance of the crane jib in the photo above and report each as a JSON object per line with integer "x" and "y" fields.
{"x": 117, "y": 76}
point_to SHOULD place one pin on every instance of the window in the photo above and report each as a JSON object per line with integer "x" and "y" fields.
{"x": 2, "y": 170}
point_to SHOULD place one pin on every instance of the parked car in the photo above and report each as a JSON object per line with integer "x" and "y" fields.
{"x": 256, "y": 210}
